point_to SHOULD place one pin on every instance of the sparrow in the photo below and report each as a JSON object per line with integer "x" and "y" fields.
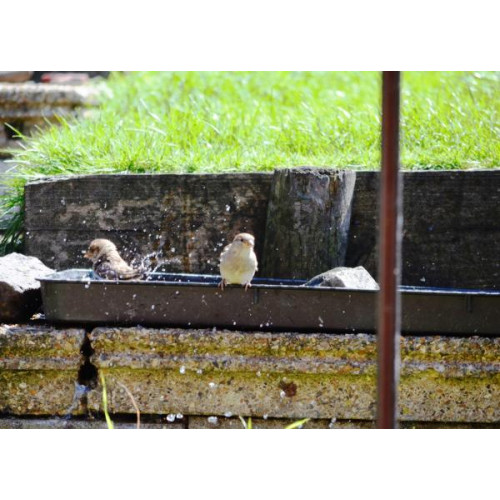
{"x": 238, "y": 261}
{"x": 107, "y": 263}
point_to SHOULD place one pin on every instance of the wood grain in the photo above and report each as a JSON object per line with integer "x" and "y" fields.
{"x": 451, "y": 221}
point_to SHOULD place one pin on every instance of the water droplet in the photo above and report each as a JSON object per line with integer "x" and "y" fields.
{"x": 212, "y": 385}
{"x": 179, "y": 415}
{"x": 182, "y": 370}
{"x": 331, "y": 425}
{"x": 212, "y": 420}
{"x": 199, "y": 371}
{"x": 153, "y": 307}
{"x": 171, "y": 417}
{"x": 265, "y": 416}
{"x": 228, "y": 208}
{"x": 282, "y": 394}
{"x": 228, "y": 414}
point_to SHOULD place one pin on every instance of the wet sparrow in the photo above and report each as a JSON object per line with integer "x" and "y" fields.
{"x": 107, "y": 263}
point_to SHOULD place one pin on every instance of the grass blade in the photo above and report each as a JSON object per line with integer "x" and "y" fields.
{"x": 138, "y": 413}
{"x": 297, "y": 424}
{"x": 105, "y": 403}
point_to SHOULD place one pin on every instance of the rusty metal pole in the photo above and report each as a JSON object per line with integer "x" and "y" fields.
{"x": 390, "y": 222}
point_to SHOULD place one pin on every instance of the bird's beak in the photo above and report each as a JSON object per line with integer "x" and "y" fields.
{"x": 86, "y": 255}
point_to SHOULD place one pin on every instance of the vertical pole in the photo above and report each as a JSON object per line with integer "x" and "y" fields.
{"x": 390, "y": 222}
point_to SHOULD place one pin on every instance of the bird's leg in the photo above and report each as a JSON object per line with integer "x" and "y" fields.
{"x": 247, "y": 286}
{"x": 221, "y": 284}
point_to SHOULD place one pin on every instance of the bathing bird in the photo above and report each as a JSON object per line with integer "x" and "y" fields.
{"x": 107, "y": 262}
{"x": 238, "y": 261}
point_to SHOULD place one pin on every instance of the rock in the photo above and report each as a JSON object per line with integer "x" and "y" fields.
{"x": 30, "y": 106}
{"x": 289, "y": 375}
{"x": 39, "y": 370}
{"x": 19, "y": 289}
{"x": 345, "y": 277}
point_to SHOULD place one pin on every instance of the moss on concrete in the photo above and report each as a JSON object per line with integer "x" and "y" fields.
{"x": 287, "y": 375}
{"x": 39, "y": 369}
{"x": 218, "y": 372}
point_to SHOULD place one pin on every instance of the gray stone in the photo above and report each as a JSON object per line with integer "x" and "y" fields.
{"x": 39, "y": 370}
{"x": 294, "y": 376}
{"x": 276, "y": 378}
{"x": 221, "y": 422}
{"x": 19, "y": 289}
{"x": 71, "y": 423}
{"x": 198, "y": 422}
{"x": 30, "y": 106}
{"x": 34, "y": 100}
{"x": 345, "y": 277}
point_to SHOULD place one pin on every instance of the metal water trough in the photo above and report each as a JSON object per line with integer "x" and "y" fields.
{"x": 74, "y": 296}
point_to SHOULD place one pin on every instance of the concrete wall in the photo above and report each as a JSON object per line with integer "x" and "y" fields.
{"x": 185, "y": 378}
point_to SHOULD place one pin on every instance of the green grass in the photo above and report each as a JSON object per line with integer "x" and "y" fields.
{"x": 109, "y": 422}
{"x": 251, "y": 121}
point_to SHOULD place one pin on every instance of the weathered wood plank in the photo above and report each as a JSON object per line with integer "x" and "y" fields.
{"x": 187, "y": 217}
{"x": 451, "y": 230}
{"x": 307, "y": 221}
